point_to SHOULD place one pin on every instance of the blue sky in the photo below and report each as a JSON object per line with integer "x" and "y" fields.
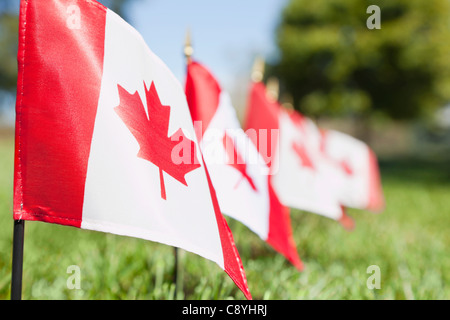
{"x": 226, "y": 35}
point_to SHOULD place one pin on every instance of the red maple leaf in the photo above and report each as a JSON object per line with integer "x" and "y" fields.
{"x": 301, "y": 152}
{"x": 236, "y": 161}
{"x": 152, "y": 134}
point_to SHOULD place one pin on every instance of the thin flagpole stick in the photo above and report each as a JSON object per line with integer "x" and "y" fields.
{"x": 17, "y": 260}
{"x": 175, "y": 273}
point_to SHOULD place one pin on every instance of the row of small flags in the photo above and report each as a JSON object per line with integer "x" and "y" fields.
{"x": 108, "y": 140}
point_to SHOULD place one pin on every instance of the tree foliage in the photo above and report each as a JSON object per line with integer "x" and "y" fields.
{"x": 9, "y": 24}
{"x": 331, "y": 63}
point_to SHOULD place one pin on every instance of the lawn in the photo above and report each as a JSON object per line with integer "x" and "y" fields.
{"x": 409, "y": 242}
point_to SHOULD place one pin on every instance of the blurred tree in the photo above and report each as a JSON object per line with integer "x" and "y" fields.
{"x": 8, "y": 53}
{"x": 332, "y": 64}
{"x": 8, "y": 50}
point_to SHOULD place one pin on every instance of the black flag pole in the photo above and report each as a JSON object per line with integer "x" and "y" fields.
{"x": 17, "y": 260}
{"x": 175, "y": 272}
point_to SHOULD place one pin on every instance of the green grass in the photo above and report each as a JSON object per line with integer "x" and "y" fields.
{"x": 409, "y": 241}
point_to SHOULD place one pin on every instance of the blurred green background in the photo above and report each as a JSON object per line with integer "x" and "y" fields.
{"x": 389, "y": 87}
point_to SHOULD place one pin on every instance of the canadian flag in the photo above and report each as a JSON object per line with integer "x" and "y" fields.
{"x": 301, "y": 176}
{"x": 238, "y": 172}
{"x": 104, "y": 136}
{"x": 362, "y": 187}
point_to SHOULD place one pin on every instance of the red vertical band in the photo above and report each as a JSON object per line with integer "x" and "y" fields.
{"x": 231, "y": 259}
{"x": 60, "y": 59}
{"x": 280, "y": 231}
{"x": 262, "y": 114}
{"x": 202, "y": 94}
{"x": 376, "y": 202}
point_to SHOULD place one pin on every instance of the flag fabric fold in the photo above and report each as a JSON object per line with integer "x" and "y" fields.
{"x": 102, "y": 132}
{"x": 238, "y": 172}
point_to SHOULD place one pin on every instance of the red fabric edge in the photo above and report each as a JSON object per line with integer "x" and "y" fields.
{"x": 232, "y": 261}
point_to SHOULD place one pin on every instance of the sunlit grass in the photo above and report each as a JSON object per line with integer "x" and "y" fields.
{"x": 409, "y": 242}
